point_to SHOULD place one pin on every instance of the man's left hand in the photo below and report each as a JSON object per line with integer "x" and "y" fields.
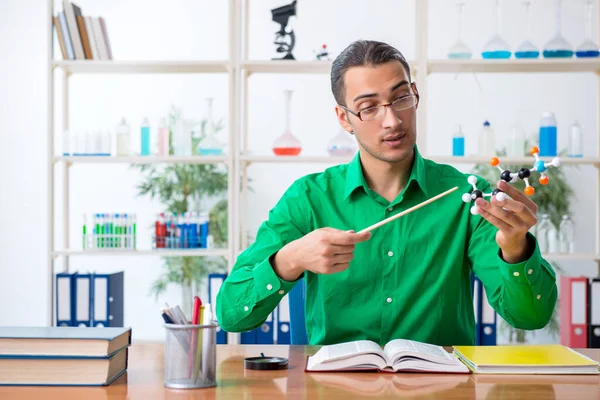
{"x": 513, "y": 217}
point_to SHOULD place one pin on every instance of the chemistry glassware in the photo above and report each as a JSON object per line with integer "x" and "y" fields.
{"x": 341, "y": 145}
{"x": 566, "y": 233}
{"x": 588, "y": 48}
{"x": 496, "y": 47}
{"x": 558, "y": 47}
{"x": 123, "y": 139}
{"x": 575, "y": 149}
{"x": 527, "y": 49}
{"x": 458, "y": 142}
{"x": 486, "y": 142}
{"x": 544, "y": 228}
{"x": 516, "y": 141}
{"x": 459, "y": 50}
{"x": 209, "y": 144}
{"x": 287, "y": 144}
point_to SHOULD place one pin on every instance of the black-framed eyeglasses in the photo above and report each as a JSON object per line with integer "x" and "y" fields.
{"x": 374, "y": 112}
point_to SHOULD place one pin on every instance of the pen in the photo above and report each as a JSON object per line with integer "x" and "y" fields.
{"x": 195, "y": 315}
{"x": 166, "y": 317}
{"x": 199, "y": 343}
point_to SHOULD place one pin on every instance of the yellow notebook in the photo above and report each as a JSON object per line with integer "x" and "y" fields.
{"x": 527, "y": 359}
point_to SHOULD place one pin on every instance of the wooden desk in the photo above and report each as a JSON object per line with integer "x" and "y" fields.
{"x": 144, "y": 380}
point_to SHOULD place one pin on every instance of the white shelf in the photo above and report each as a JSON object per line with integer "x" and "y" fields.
{"x": 514, "y": 65}
{"x": 512, "y": 160}
{"x": 142, "y": 159}
{"x": 160, "y": 253}
{"x": 142, "y": 67}
{"x": 293, "y": 66}
{"x": 248, "y": 159}
{"x": 572, "y": 257}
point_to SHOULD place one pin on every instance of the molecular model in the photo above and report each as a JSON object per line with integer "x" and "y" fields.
{"x": 511, "y": 177}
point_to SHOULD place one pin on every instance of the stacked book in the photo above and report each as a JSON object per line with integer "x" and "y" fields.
{"x": 63, "y": 356}
{"x": 81, "y": 37}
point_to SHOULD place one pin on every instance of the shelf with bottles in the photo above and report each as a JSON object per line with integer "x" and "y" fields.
{"x": 496, "y": 47}
{"x": 142, "y": 67}
{"x": 295, "y": 66}
{"x": 558, "y": 242}
{"x": 216, "y": 252}
{"x": 187, "y": 231}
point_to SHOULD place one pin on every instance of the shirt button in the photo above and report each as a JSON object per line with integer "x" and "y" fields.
{"x": 539, "y": 296}
{"x": 390, "y": 253}
{"x": 269, "y": 286}
{"x": 281, "y": 292}
{"x": 516, "y": 273}
{"x": 389, "y": 300}
{"x": 530, "y": 271}
{"x": 245, "y": 308}
{"x": 390, "y": 208}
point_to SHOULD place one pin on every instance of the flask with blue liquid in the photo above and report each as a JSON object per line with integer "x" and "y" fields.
{"x": 558, "y": 47}
{"x": 496, "y": 47}
{"x": 588, "y": 48}
{"x": 547, "y": 135}
{"x": 527, "y": 49}
{"x": 458, "y": 142}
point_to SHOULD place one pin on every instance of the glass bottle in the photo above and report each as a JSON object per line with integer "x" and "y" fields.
{"x": 486, "y": 142}
{"x": 588, "y": 48}
{"x": 527, "y": 49}
{"x": 123, "y": 139}
{"x": 163, "y": 138}
{"x": 558, "y": 47}
{"x": 458, "y": 142}
{"x": 182, "y": 138}
{"x": 543, "y": 230}
{"x": 575, "y": 141}
{"x": 516, "y": 142}
{"x": 567, "y": 235}
{"x": 341, "y": 145}
{"x": 145, "y": 138}
{"x": 287, "y": 144}
{"x": 209, "y": 145}
{"x": 496, "y": 47}
{"x": 547, "y": 135}
{"x": 459, "y": 50}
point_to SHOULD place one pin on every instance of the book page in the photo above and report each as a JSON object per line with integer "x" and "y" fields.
{"x": 346, "y": 350}
{"x": 401, "y": 347}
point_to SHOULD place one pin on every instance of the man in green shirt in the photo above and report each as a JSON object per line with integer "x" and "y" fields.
{"x": 411, "y": 277}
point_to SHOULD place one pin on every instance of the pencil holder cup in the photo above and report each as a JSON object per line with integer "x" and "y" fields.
{"x": 190, "y": 356}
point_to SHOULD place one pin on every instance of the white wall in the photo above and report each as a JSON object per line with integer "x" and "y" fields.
{"x": 197, "y": 30}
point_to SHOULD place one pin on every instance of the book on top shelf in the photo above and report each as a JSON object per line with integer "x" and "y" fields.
{"x": 397, "y": 355}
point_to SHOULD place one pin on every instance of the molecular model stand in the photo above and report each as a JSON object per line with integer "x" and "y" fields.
{"x": 511, "y": 177}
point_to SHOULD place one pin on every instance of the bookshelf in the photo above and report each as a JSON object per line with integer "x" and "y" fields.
{"x": 238, "y": 160}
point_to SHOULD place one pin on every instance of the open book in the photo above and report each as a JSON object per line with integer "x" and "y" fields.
{"x": 397, "y": 355}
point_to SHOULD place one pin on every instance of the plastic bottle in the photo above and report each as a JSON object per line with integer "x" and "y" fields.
{"x": 458, "y": 142}
{"x": 106, "y": 139}
{"x": 123, "y": 139}
{"x": 145, "y": 136}
{"x": 486, "y": 141}
{"x": 66, "y": 150}
{"x": 84, "y": 232}
{"x": 163, "y": 138}
{"x": 543, "y": 230}
{"x": 547, "y": 136}
{"x": 567, "y": 235}
{"x": 182, "y": 139}
{"x": 516, "y": 142}
{"x": 575, "y": 141}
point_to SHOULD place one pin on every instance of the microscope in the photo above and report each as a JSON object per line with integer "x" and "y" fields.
{"x": 284, "y": 40}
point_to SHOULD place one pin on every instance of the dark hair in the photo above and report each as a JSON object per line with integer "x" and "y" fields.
{"x": 358, "y": 54}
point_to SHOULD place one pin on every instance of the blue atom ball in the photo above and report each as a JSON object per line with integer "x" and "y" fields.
{"x": 539, "y": 166}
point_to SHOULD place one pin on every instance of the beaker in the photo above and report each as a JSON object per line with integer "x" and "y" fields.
{"x": 209, "y": 145}
{"x": 527, "y": 49}
{"x": 287, "y": 144}
{"x": 496, "y": 47}
{"x": 558, "y": 47}
{"x": 459, "y": 50}
{"x": 588, "y": 48}
{"x": 341, "y": 145}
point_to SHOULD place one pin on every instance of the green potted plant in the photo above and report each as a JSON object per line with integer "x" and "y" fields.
{"x": 182, "y": 188}
{"x": 553, "y": 199}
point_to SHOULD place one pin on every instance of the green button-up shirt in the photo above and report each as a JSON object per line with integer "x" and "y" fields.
{"x": 411, "y": 280}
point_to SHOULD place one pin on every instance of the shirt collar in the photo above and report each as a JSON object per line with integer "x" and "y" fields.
{"x": 356, "y": 179}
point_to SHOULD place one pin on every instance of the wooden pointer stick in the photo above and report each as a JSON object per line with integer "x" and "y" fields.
{"x": 393, "y": 217}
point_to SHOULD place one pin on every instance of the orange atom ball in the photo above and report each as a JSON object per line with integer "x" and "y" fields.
{"x": 534, "y": 150}
{"x": 544, "y": 180}
{"x": 529, "y": 190}
{"x": 494, "y": 161}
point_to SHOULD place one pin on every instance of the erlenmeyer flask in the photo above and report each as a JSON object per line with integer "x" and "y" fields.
{"x": 459, "y": 50}
{"x": 588, "y": 48}
{"x": 287, "y": 144}
{"x": 341, "y": 145}
{"x": 210, "y": 145}
{"x": 558, "y": 47}
{"x": 527, "y": 49}
{"x": 496, "y": 47}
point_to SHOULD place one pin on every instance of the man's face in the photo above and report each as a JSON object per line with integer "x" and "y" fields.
{"x": 390, "y": 136}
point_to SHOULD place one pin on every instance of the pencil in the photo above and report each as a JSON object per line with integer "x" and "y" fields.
{"x": 408, "y": 211}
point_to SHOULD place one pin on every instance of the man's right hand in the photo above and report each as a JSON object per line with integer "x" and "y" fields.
{"x": 323, "y": 251}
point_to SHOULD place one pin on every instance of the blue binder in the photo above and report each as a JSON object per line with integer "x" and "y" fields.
{"x": 107, "y": 300}
{"x": 214, "y": 284}
{"x": 487, "y": 323}
{"x": 283, "y": 321}
{"x": 65, "y": 285}
{"x": 82, "y": 304}
{"x": 265, "y": 333}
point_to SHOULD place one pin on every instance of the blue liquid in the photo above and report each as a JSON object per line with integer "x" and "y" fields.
{"x": 527, "y": 54}
{"x": 459, "y": 56}
{"x": 210, "y": 152}
{"x": 496, "y": 54}
{"x": 587, "y": 53}
{"x": 547, "y": 141}
{"x": 145, "y": 141}
{"x": 458, "y": 146}
{"x": 558, "y": 53}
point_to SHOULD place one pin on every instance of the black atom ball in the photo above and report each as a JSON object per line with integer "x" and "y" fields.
{"x": 496, "y": 191}
{"x": 524, "y": 173}
{"x": 505, "y": 176}
{"x": 478, "y": 194}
